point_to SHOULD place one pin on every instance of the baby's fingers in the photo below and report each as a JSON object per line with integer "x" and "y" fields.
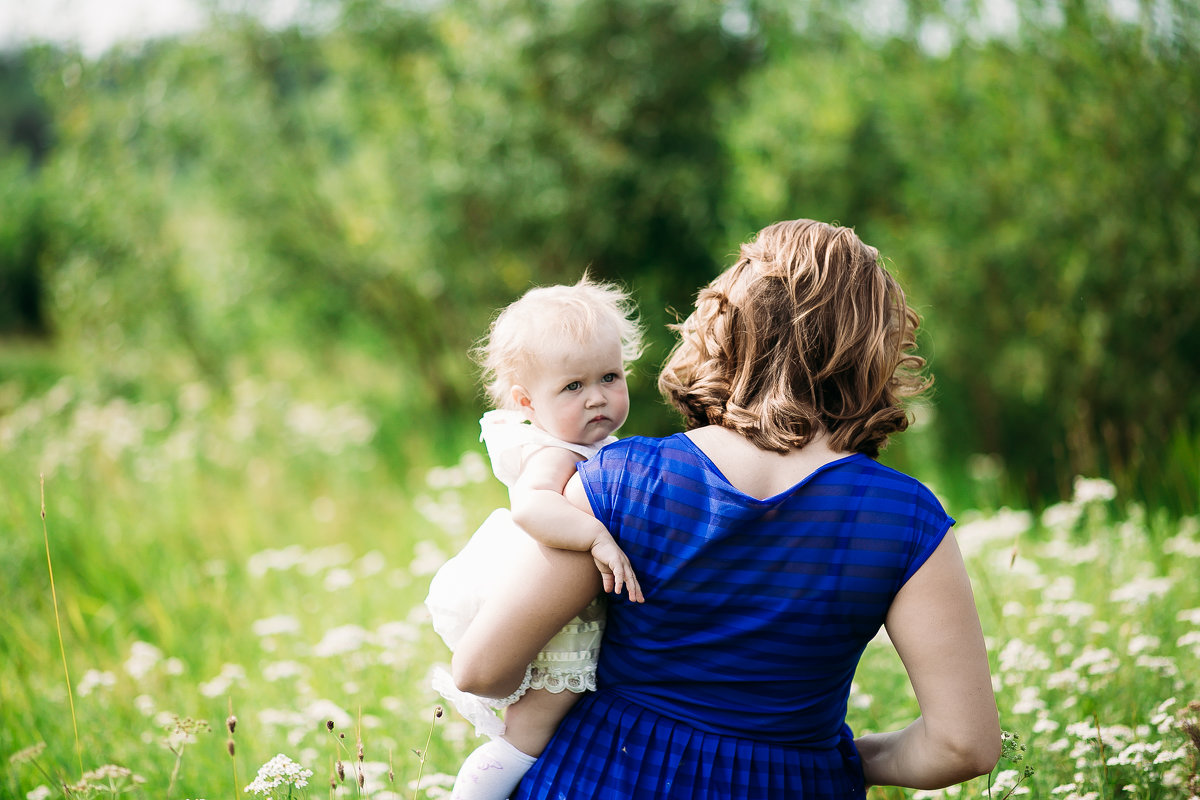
{"x": 634, "y": 588}
{"x": 618, "y": 575}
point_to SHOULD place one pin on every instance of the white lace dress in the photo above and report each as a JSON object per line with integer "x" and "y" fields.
{"x": 462, "y": 584}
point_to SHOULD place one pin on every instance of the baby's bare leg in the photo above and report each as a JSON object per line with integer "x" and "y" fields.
{"x": 531, "y": 721}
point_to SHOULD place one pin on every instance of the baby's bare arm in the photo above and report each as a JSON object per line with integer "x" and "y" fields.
{"x": 538, "y": 507}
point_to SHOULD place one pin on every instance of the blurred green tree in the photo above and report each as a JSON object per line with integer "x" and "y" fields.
{"x": 26, "y": 136}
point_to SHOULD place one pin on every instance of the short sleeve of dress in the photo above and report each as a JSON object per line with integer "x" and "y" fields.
{"x": 930, "y": 525}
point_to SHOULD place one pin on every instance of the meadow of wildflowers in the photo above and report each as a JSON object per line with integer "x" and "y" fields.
{"x": 238, "y": 583}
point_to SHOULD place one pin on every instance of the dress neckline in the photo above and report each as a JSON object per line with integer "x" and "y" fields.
{"x": 715, "y": 470}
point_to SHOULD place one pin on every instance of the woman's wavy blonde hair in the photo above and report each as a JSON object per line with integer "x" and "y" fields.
{"x": 807, "y": 332}
{"x": 547, "y": 319}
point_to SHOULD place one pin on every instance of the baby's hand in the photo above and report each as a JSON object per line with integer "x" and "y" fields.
{"x": 615, "y": 568}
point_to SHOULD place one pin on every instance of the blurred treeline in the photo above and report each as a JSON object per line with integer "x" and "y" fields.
{"x": 375, "y": 184}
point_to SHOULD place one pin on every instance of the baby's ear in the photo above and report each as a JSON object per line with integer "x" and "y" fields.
{"x": 522, "y": 400}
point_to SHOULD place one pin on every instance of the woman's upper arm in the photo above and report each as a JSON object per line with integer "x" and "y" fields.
{"x": 935, "y": 627}
{"x": 577, "y": 495}
{"x": 544, "y": 591}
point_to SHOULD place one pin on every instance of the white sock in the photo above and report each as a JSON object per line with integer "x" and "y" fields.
{"x": 491, "y": 772}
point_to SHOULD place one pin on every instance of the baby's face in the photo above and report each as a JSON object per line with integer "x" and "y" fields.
{"x": 578, "y": 394}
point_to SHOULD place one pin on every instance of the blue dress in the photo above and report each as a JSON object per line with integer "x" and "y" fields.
{"x": 731, "y": 680}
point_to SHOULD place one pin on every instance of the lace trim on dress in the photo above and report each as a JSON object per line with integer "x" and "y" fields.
{"x": 526, "y": 684}
{"x": 557, "y": 681}
{"x": 478, "y": 710}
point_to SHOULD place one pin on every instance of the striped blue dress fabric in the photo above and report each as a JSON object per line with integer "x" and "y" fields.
{"x": 732, "y": 679}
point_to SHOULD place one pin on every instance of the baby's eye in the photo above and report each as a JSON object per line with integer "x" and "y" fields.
{"x": 610, "y": 377}
{"x": 573, "y": 386}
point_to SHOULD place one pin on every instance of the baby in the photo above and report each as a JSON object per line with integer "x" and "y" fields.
{"x": 554, "y": 363}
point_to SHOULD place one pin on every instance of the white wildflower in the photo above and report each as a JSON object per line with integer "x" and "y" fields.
{"x": 1068, "y": 552}
{"x": 40, "y": 793}
{"x": 144, "y": 703}
{"x": 371, "y": 564}
{"x": 1061, "y": 589}
{"x": 1098, "y": 661}
{"x": 338, "y": 579}
{"x": 1171, "y": 756}
{"x": 974, "y": 533}
{"x": 1028, "y": 701}
{"x": 1062, "y": 679}
{"x": 275, "y": 626}
{"x": 1140, "y": 591}
{"x": 219, "y": 686}
{"x": 284, "y": 559}
{"x": 1182, "y": 545}
{"x": 1160, "y": 664}
{"x": 341, "y": 640}
{"x": 93, "y": 679}
{"x": 1142, "y": 643}
{"x": 143, "y": 657}
{"x": 1092, "y": 490}
{"x": 323, "y": 558}
{"x": 1191, "y": 615}
{"x": 1073, "y": 611}
{"x": 1057, "y": 746}
{"x": 1190, "y": 639}
{"x": 279, "y": 670}
{"x": 1045, "y": 725}
{"x": 279, "y": 771}
{"x": 1005, "y": 779}
{"x": 1061, "y": 515}
{"x": 1021, "y": 657}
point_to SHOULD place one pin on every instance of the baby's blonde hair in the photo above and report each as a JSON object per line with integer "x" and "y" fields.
{"x": 543, "y": 319}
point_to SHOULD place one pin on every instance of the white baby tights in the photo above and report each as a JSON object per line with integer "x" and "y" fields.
{"x": 491, "y": 772}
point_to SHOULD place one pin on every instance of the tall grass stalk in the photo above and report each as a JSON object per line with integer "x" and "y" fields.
{"x": 437, "y": 714}
{"x": 58, "y": 624}
{"x": 230, "y": 726}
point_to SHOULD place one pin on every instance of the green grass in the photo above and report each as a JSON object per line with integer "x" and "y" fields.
{"x": 267, "y": 553}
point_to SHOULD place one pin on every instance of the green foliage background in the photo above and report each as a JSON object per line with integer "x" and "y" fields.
{"x": 284, "y": 202}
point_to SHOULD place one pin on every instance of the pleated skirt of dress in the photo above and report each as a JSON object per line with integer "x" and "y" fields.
{"x": 609, "y": 748}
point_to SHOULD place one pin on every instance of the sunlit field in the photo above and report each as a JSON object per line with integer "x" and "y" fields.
{"x": 237, "y": 582}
